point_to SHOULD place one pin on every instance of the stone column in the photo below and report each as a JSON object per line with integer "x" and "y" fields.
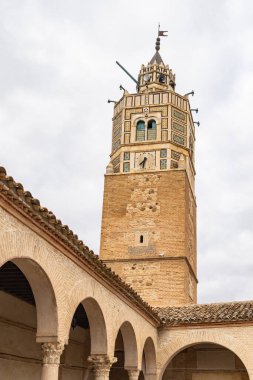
{"x": 100, "y": 366}
{"x": 133, "y": 374}
{"x": 51, "y": 354}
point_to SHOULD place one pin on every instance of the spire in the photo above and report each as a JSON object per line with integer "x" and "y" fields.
{"x": 157, "y": 58}
{"x": 156, "y": 76}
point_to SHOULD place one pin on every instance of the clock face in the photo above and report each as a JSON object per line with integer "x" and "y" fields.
{"x": 145, "y": 160}
{"x": 147, "y": 77}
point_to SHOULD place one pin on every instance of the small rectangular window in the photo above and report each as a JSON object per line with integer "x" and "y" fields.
{"x": 126, "y": 156}
{"x": 163, "y": 164}
{"x": 126, "y": 166}
{"x": 163, "y": 153}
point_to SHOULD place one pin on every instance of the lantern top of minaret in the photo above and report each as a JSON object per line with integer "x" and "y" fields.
{"x": 156, "y": 76}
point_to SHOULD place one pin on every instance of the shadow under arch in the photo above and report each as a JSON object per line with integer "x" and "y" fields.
{"x": 98, "y": 333}
{"x": 210, "y": 358}
{"x": 130, "y": 345}
{"x": 149, "y": 356}
{"x": 44, "y": 296}
{"x": 180, "y": 344}
{"x": 125, "y": 351}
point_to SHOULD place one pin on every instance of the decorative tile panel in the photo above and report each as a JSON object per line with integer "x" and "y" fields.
{"x": 178, "y": 139}
{"x": 116, "y": 169}
{"x": 179, "y": 127}
{"x": 116, "y": 161}
{"x": 127, "y": 126}
{"x": 173, "y": 164}
{"x": 117, "y": 126}
{"x": 115, "y": 145}
{"x": 175, "y": 155}
{"x": 164, "y": 123}
{"x": 115, "y": 164}
{"x": 132, "y": 111}
{"x": 163, "y": 110}
{"x": 179, "y": 115}
{"x": 116, "y": 131}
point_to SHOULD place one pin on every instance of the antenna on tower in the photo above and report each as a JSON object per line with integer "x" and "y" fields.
{"x": 189, "y": 93}
{"x": 123, "y": 68}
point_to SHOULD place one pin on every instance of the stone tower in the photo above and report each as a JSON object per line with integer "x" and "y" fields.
{"x": 148, "y": 231}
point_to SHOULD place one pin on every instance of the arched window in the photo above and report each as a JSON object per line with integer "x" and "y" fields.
{"x": 141, "y": 239}
{"x": 151, "y": 135}
{"x": 140, "y": 131}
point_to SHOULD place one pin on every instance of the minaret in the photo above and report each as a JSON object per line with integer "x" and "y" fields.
{"x": 148, "y": 233}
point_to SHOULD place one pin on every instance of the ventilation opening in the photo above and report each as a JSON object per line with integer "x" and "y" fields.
{"x": 141, "y": 239}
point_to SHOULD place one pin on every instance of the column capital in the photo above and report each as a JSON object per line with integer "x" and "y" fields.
{"x": 101, "y": 364}
{"x": 51, "y": 352}
{"x": 133, "y": 373}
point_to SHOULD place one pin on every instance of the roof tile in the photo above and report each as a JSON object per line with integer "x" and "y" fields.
{"x": 207, "y": 313}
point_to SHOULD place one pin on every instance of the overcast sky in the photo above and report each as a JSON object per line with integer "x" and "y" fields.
{"x": 57, "y": 70}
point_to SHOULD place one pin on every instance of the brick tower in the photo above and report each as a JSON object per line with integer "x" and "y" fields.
{"x": 148, "y": 233}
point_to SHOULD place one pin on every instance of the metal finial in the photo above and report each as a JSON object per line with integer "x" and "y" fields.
{"x": 161, "y": 33}
{"x": 157, "y": 45}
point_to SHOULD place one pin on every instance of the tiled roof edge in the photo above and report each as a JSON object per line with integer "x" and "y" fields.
{"x": 24, "y": 200}
{"x": 236, "y": 312}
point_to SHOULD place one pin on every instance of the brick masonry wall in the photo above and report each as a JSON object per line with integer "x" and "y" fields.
{"x": 159, "y": 208}
{"x": 161, "y": 282}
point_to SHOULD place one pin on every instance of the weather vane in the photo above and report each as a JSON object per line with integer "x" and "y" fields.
{"x": 162, "y": 33}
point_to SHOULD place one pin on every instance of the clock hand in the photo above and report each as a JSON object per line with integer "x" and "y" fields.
{"x": 142, "y": 163}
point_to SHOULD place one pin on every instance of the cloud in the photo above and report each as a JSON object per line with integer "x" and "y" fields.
{"x": 57, "y": 72}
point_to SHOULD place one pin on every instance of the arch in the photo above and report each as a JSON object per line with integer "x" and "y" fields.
{"x": 151, "y": 130}
{"x": 209, "y": 359}
{"x": 130, "y": 345}
{"x": 188, "y": 339}
{"x": 44, "y": 295}
{"x": 98, "y": 333}
{"x": 140, "y": 130}
{"x": 149, "y": 353}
